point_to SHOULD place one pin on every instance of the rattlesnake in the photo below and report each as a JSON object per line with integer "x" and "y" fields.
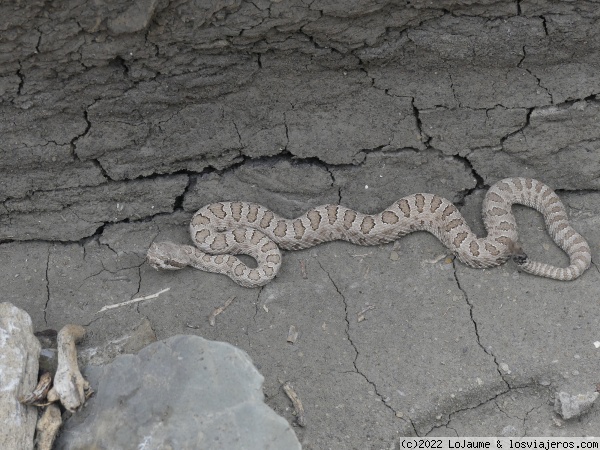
{"x": 221, "y": 230}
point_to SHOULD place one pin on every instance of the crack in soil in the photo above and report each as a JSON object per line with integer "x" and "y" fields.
{"x": 238, "y": 134}
{"x": 486, "y": 351}
{"x": 454, "y": 91}
{"x": 339, "y": 189}
{"x": 21, "y": 79}
{"x": 508, "y": 416}
{"x": 529, "y": 412}
{"x": 47, "y": 286}
{"x": 453, "y": 413}
{"x": 520, "y": 130}
{"x": 98, "y": 232}
{"x": 475, "y": 326}
{"x": 495, "y": 400}
{"x": 287, "y": 131}
{"x": 539, "y": 81}
{"x": 462, "y": 195}
{"x": 73, "y": 142}
{"x": 508, "y": 386}
{"x": 257, "y": 303}
{"x": 381, "y": 397}
{"x": 425, "y": 138}
{"x": 179, "y": 200}
{"x": 139, "y": 287}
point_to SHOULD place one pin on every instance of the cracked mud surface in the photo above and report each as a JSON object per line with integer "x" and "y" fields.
{"x": 119, "y": 122}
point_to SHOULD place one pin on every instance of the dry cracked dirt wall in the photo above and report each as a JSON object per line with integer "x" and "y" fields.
{"x": 119, "y": 119}
{"x": 94, "y": 97}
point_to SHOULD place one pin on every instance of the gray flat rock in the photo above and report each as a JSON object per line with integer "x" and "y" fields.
{"x": 184, "y": 392}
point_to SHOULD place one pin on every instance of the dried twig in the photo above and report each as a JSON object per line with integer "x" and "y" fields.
{"x": 362, "y": 255}
{"x": 38, "y": 396}
{"x": 69, "y": 385}
{"x": 298, "y": 408}
{"x": 303, "y": 269}
{"x": 135, "y": 300}
{"x": 361, "y": 315}
{"x": 219, "y": 310}
{"x": 47, "y": 427}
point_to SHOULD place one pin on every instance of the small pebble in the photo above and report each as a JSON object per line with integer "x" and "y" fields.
{"x": 570, "y": 406}
{"x": 509, "y": 430}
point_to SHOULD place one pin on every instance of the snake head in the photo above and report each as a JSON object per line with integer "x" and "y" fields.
{"x": 517, "y": 254}
{"x": 168, "y": 256}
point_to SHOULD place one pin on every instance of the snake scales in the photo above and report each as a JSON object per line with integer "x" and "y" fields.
{"x": 222, "y": 230}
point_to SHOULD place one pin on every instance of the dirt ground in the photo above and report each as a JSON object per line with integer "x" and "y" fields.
{"x": 120, "y": 120}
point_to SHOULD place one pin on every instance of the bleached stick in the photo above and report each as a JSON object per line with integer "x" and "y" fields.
{"x": 135, "y": 300}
